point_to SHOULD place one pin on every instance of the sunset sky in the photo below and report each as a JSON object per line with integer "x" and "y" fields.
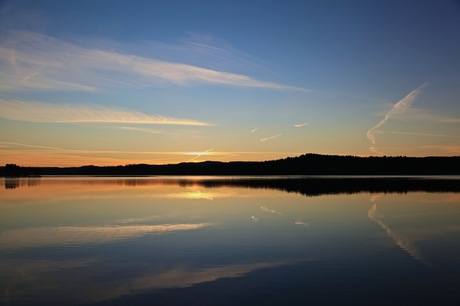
{"x": 112, "y": 82}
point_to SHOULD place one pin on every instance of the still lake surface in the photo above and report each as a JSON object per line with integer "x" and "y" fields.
{"x": 205, "y": 241}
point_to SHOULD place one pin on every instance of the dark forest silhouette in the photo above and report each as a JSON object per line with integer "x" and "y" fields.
{"x": 13, "y": 170}
{"x": 308, "y": 164}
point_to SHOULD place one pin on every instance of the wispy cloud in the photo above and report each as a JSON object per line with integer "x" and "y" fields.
{"x": 34, "y": 61}
{"x": 139, "y": 129}
{"x": 253, "y": 130}
{"x": 398, "y": 109}
{"x": 271, "y": 137}
{"x": 301, "y": 124}
{"x": 32, "y": 111}
{"x": 203, "y": 50}
{"x": 298, "y": 222}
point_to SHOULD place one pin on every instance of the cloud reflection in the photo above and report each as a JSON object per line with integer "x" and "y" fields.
{"x": 401, "y": 240}
{"x": 83, "y": 288}
{"x": 180, "y": 277}
{"x": 269, "y": 210}
{"x": 298, "y": 222}
{"x": 48, "y": 236}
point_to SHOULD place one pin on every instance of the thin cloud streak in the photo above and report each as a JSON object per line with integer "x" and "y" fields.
{"x": 253, "y": 130}
{"x": 425, "y": 134}
{"x": 40, "y": 149}
{"x": 138, "y": 129}
{"x": 271, "y": 137}
{"x": 398, "y": 108}
{"x": 32, "y": 111}
{"x": 417, "y": 114}
{"x": 452, "y": 150}
{"x": 32, "y": 61}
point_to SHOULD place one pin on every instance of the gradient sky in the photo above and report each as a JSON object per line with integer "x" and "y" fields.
{"x": 112, "y": 82}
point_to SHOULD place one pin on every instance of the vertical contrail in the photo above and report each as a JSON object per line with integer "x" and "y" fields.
{"x": 398, "y": 109}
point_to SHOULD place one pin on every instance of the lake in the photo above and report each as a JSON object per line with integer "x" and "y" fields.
{"x": 229, "y": 241}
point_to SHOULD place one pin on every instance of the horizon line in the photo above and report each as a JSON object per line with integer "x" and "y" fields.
{"x": 240, "y": 161}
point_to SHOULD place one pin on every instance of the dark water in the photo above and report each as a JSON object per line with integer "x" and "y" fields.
{"x": 214, "y": 241}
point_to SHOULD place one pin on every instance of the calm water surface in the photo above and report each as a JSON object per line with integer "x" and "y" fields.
{"x": 165, "y": 241}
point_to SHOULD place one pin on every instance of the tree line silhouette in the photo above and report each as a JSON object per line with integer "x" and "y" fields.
{"x": 307, "y": 164}
{"x": 13, "y": 170}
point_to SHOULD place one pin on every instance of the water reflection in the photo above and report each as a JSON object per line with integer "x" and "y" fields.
{"x": 169, "y": 241}
{"x": 306, "y": 185}
{"x": 16, "y": 182}
{"x": 402, "y": 241}
{"x": 93, "y": 289}
{"x": 49, "y": 236}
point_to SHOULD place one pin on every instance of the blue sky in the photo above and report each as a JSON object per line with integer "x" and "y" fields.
{"x": 117, "y": 82}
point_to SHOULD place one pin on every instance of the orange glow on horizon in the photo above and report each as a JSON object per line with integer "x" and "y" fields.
{"x": 42, "y": 156}
{"x": 58, "y": 159}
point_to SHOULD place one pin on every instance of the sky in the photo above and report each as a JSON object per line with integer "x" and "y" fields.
{"x": 112, "y": 82}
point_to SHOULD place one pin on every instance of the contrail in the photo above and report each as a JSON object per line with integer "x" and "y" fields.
{"x": 398, "y": 109}
{"x": 271, "y": 137}
{"x": 202, "y": 153}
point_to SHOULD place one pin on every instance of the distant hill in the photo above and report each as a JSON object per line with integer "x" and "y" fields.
{"x": 307, "y": 164}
